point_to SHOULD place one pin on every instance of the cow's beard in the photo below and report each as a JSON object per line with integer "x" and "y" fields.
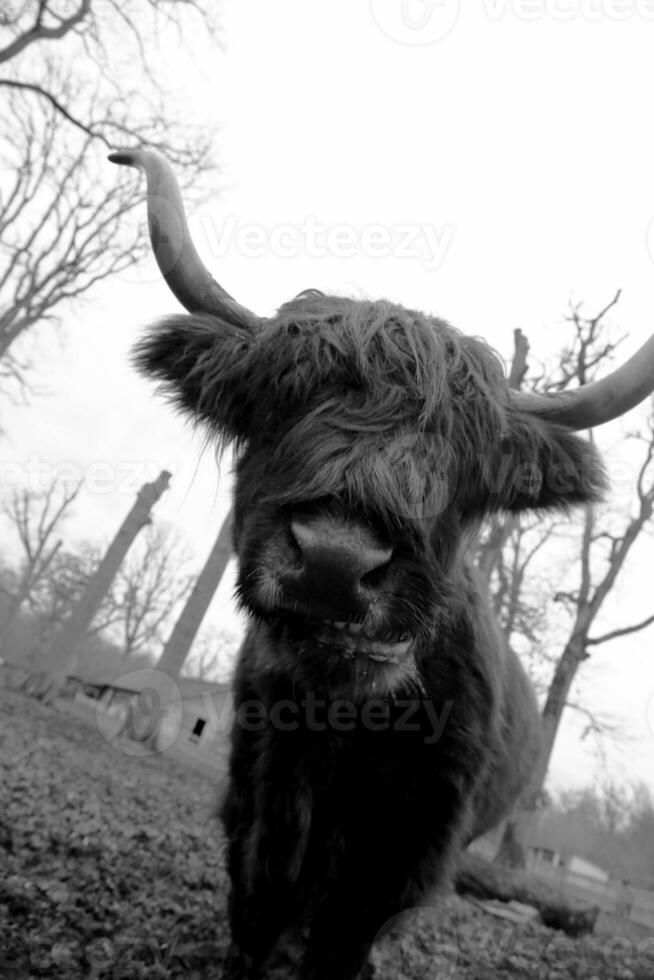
{"x": 338, "y": 663}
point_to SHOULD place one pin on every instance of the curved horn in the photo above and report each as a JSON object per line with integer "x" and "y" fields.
{"x": 597, "y": 402}
{"x": 180, "y": 264}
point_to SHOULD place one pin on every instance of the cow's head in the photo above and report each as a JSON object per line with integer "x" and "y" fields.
{"x": 371, "y": 440}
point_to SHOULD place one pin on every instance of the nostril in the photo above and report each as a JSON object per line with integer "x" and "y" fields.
{"x": 304, "y": 537}
{"x": 376, "y": 577}
{"x": 333, "y": 566}
{"x": 295, "y": 541}
{"x": 338, "y": 554}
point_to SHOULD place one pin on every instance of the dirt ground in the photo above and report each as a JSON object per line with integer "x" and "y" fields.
{"x": 111, "y": 866}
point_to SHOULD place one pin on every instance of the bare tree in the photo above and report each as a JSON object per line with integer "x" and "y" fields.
{"x": 613, "y": 825}
{"x": 149, "y": 588}
{"x": 36, "y": 518}
{"x": 63, "y": 653}
{"x": 603, "y": 555}
{"x": 62, "y": 586}
{"x": 118, "y": 93}
{"x": 212, "y": 655}
{"x": 80, "y": 78}
{"x": 58, "y": 230}
{"x": 600, "y": 553}
{"x": 520, "y": 607}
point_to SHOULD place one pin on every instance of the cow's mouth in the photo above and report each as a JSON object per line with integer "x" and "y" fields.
{"x": 353, "y": 639}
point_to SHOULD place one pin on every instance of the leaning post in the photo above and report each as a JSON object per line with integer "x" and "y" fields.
{"x": 67, "y": 642}
{"x": 185, "y": 630}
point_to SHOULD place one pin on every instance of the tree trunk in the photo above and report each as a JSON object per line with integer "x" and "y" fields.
{"x": 512, "y": 851}
{"x": 66, "y": 644}
{"x": 557, "y": 696}
{"x": 186, "y": 628}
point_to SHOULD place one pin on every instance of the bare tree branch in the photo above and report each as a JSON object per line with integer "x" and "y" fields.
{"x": 598, "y": 725}
{"x": 36, "y": 518}
{"x": 519, "y": 364}
{"x": 90, "y": 130}
{"x": 149, "y": 589}
{"x": 39, "y": 32}
{"x": 602, "y": 554}
{"x": 623, "y": 631}
{"x": 62, "y": 230}
{"x": 57, "y": 592}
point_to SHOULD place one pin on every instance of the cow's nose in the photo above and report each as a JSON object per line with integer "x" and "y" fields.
{"x": 338, "y": 558}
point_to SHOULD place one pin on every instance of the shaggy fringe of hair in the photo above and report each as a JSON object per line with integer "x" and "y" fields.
{"x": 369, "y": 400}
{"x": 381, "y": 347}
{"x": 393, "y": 365}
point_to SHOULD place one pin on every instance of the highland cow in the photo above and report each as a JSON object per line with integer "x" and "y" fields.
{"x": 381, "y": 723}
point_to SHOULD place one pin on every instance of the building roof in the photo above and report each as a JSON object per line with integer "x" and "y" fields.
{"x": 137, "y": 680}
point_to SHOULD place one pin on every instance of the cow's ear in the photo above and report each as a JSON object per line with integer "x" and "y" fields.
{"x": 545, "y": 466}
{"x": 200, "y": 362}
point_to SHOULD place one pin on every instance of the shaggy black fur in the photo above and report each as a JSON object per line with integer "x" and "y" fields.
{"x": 360, "y": 764}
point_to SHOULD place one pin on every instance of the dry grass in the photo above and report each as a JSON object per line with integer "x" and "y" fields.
{"x": 111, "y": 867}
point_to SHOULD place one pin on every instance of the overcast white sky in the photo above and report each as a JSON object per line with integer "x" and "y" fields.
{"x": 484, "y": 164}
